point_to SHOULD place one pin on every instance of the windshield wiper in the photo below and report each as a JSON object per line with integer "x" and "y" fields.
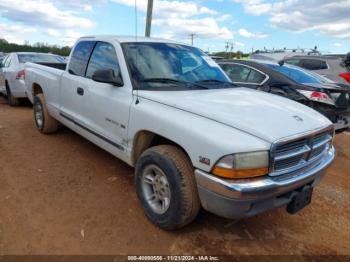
{"x": 161, "y": 80}
{"x": 215, "y": 81}
{"x": 172, "y": 81}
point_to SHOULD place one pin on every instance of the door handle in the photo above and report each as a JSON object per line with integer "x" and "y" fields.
{"x": 80, "y": 91}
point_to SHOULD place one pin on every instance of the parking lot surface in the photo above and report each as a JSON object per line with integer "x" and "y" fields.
{"x": 60, "y": 194}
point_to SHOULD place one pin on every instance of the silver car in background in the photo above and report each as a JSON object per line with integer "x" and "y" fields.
{"x": 333, "y": 67}
{"x": 12, "y": 72}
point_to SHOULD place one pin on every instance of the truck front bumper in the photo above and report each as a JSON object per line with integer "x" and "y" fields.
{"x": 235, "y": 199}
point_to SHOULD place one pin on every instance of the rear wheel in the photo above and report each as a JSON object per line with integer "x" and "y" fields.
{"x": 45, "y": 123}
{"x": 166, "y": 187}
{"x": 12, "y": 101}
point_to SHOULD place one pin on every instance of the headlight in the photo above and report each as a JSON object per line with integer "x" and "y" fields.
{"x": 243, "y": 165}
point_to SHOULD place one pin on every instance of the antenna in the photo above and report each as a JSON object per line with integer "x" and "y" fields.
{"x": 149, "y": 18}
{"x": 137, "y": 88}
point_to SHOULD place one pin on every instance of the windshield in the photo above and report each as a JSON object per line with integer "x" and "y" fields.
{"x": 40, "y": 58}
{"x": 299, "y": 75}
{"x": 165, "y": 66}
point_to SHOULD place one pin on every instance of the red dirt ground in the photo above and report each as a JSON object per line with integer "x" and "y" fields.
{"x": 60, "y": 194}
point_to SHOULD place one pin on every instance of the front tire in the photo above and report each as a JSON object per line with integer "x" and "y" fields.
{"x": 45, "y": 123}
{"x": 11, "y": 100}
{"x": 166, "y": 187}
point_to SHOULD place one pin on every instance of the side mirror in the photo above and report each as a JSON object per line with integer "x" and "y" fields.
{"x": 107, "y": 76}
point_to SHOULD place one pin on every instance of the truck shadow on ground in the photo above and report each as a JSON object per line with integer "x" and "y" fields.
{"x": 24, "y": 102}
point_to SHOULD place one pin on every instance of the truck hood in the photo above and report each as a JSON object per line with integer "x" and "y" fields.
{"x": 260, "y": 114}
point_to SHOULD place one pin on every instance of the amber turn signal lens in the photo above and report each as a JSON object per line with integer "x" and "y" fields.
{"x": 242, "y": 173}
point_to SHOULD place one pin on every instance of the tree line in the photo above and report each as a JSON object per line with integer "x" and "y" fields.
{"x": 231, "y": 55}
{"x": 7, "y": 47}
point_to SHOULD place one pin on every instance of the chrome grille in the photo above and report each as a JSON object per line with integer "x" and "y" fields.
{"x": 289, "y": 156}
{"x": 317, "y": 151}
{"x": 291, "y": 146}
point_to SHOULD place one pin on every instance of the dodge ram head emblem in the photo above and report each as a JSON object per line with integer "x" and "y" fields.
{"x": 298, "y": 118}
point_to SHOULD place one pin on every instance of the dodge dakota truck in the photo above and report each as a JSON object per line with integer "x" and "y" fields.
{"x": 195, "y": 139}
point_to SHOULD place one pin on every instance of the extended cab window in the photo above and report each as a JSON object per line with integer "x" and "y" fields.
{"x": 8, "y": 61}
{"x": 103, "y": 57}
{"x": 80, "y": 58}
{"x": 3, "y": 63}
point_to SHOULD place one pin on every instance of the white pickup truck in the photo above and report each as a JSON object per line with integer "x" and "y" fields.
{"x": 195, "y": 139}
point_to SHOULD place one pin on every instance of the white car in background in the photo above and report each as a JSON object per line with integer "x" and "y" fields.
{"x": 12, "y": 72}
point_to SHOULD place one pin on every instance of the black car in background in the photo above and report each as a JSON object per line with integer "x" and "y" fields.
{"x": 328, "y": 98}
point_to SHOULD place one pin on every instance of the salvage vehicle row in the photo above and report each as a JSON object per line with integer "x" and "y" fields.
{"x": 327, "y": 97}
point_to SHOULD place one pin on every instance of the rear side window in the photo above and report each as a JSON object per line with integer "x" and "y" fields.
{"x": 80, "y": 58}
{"x": 311, "y": 64}
{"x": 103, "y": 57}
{"x": 243, "y": 74}
{"x": 236, "y": 73}
{"x": 255, "y": 77}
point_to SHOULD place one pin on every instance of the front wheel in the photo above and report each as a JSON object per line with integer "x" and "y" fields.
{"x": 166, "y": 187}
{"x": 45, "y": 123}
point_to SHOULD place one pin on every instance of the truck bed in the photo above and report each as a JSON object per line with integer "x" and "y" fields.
{"x": 61, "y": 66}
{"x": 44, "y": 74}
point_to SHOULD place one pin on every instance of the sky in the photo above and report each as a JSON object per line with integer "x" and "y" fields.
{"x": 247, "y": 24}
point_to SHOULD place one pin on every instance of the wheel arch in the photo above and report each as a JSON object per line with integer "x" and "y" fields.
{"x": 37, "y": 89}
{"x": 145, "y": 139}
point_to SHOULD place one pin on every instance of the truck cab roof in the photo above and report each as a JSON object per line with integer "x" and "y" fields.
{"x": 127, "y": 39}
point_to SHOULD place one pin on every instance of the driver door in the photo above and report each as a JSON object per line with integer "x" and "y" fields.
{"x": 105, "y": 109}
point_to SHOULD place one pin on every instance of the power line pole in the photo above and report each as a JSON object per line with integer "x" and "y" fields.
{"x": 229, "y": 46}
{"x": 149, "y": 18}
{"x": 192, "y": 37}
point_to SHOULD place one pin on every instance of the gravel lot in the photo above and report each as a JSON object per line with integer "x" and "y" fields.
{"x": 60, "y": 194}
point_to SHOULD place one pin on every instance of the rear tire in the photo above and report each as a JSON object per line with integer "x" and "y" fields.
{"x": 11, "y": 100}
{"x": 45, "y": 123}
{"x": 166, "y": 187}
